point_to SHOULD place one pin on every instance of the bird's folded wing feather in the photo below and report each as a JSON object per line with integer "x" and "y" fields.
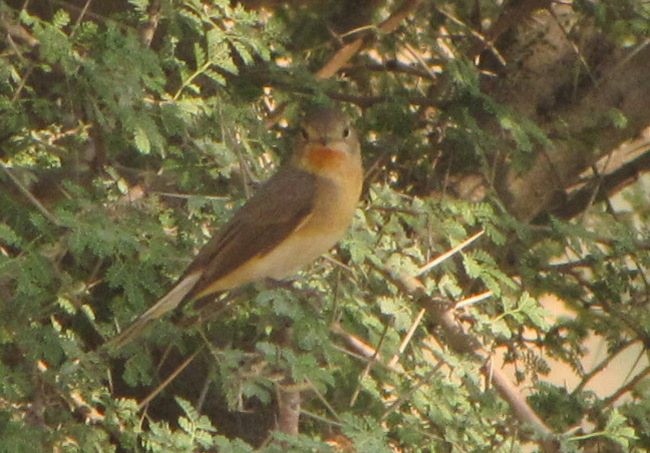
{"x": 278, "y": 208}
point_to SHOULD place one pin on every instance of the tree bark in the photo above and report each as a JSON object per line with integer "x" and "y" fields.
{"x": 585, "y": 117}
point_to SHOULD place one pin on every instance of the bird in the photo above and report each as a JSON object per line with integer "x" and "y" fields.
{"x": 297, "y": 215}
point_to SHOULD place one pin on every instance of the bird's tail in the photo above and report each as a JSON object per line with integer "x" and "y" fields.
{"x": 166, "y": 304}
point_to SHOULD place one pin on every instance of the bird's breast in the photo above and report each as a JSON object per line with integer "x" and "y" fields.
{"x": 321, "y": 158}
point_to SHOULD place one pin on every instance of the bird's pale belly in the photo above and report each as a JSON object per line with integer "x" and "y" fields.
{"x": 288, "y": 257}
{"x": 292, "y": 255}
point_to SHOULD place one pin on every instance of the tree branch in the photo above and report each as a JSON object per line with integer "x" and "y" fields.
{"x": 42, "y": 209}
{"x": 148, "y": 29}
{"x": 529, "y": 193}
{"x": 17, "y": 31}
{"x": 513, "y": 14}
{"x": 288, "y": 393}
{"x": 344, "y": 54}
{"x": 465, "y": 343}
{"x": 610, "y": 400}
{"x": 601, "y": 188}
{"x": 602, "y": 365}
{"x": 288, "y": 409}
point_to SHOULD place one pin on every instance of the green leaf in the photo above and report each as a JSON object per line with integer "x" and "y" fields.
{"x": 9, "y": 236}
{"x": 140, "y": 6}
{"x": 225, "y": 445}
{"x": 617, "y": 429}
{"x": 138, "y": 369}
{"x": 215, "y": 77}
{"x": 366, "y": 433}
{"x": 534, "y": 311}
{"x": 141, "y": 139}
{"x": 61, "y": 19}
{"x": 618, "y": 119}
{"x": 199, "y": 55}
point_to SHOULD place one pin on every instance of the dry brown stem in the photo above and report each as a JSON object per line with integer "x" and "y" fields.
{"x": 343, "y": 55}
{"x": 463, "y": 342}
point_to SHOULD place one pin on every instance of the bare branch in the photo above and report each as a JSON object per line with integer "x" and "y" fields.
{"x": 465, "y": 343}
{"x": 528, "y": 194}
{"x": 43, "y": 210}
{"x": 626, "y": 388}
{"x": 142, "y": 404}
{"x": 149, "y": 28}
{"x": 602, "y": 188}
{"x": 602, "y": 365}
{"x": 18, "y": 31}
{"x": 343, "y": 55}
{"x": 288, "y": 409}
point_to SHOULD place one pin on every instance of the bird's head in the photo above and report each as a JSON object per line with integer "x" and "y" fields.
{"x": 326, "y": 141}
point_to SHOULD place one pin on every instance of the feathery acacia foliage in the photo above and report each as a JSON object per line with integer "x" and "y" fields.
{"x": 129, "y": 131}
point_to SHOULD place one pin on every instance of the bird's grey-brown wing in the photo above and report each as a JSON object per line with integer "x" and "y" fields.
{"x": 276, "y": 209}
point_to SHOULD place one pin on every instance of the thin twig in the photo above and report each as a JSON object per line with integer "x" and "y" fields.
{"x": 338, "y": 263}
{"x": 487, "y": 43}
{"x": 406, "y": 395}
{"x": 83, "y": 12}
{"x": 168, "y": 380}
{"x": 22, "y": 83}
{"x": 473, "y": 300}
{"x": 323, "y": 400}
{"x": 601, "y": 366}
{"x": 320, "y": 418}
{"x": 430, "y": 265}
{"x": 574, "y": 46}
{"x": 47, "y": 214}
{"x": 420, "y": 60}
{"x": 513, "y": 14}
{"x": 398, "y": 67}
{"x": 640, "y": 355}
{"x": 184, "y": 196}
{"x": 368, "y": 367}
{"x": 204, "y": 392}
{"x": 626, "y": 388}
{"x": 365, "y": 359}
{"x": 355, "y": 343}
{"x": 407, "y": 338}
{"x": 631, "y": 55}
{"x": 365, "y": 101}
{"x": 343, "y": 55}
{"x": 463, "y": 342}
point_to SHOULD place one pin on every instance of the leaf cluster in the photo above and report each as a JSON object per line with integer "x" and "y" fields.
{"x": 119, "y": 156}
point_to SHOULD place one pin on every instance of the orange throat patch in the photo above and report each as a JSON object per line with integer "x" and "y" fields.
{"x": 322, "y": 158}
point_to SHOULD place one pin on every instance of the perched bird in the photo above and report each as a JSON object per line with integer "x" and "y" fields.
{"x": 293, "y": 218}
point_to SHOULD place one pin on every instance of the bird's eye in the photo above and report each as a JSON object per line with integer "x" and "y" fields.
{"x": 304, "y": 133}
{"x": 346, "y": 132}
